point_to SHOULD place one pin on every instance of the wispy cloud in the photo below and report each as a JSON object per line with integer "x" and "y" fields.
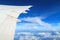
{"x": 47, "y": 14}
{"x": 28, "y": 26}
{"x": 38, "y": 21}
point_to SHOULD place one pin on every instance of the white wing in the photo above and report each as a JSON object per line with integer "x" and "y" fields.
{"x": 14, "y": 11}
{"x": 8, "y": 19}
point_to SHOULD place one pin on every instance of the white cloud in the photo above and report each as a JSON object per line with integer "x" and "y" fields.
{"x": 35, "y": 21}
{"x": 28, "y": 26}
{"x": 45, "y": 34}
{"x": 38, "y": 21}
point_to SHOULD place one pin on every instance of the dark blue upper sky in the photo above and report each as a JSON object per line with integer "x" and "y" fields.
{"x": 46, "y": 8}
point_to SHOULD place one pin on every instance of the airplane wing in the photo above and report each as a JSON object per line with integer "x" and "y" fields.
{"x": 14, "y": 11}
{"x": 8, "y": 20}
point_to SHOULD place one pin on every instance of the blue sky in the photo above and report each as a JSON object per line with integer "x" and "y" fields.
{"x": 45, "y": 11}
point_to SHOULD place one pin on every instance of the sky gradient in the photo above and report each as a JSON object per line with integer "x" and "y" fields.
{"x": 43, "y": 14}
